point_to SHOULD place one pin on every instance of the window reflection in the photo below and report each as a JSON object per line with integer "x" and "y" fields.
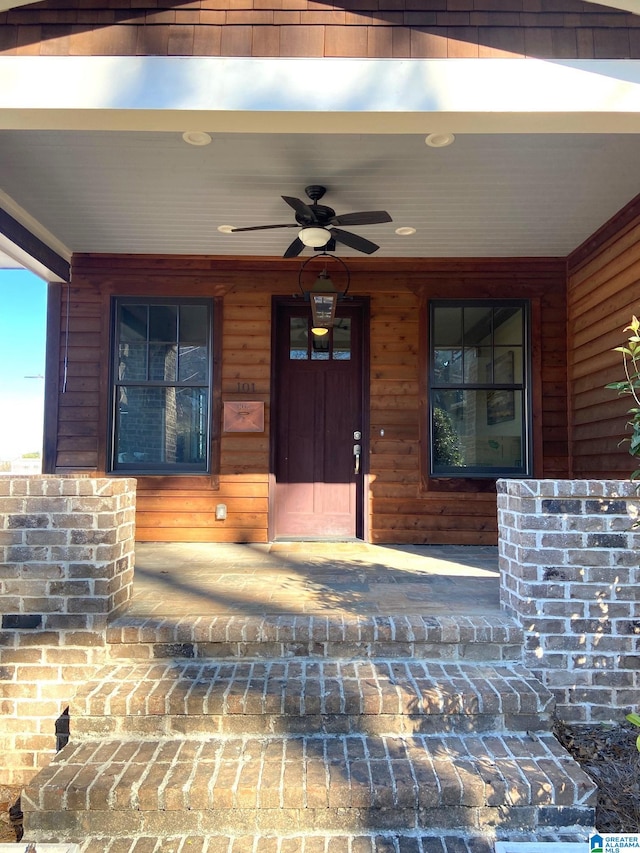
{"x": 163, "y": 323}
{"x": 304, "y": 344}
{"x": 477, "y": 393}
{"x": 161, "y": 393}
{"x": 133, "y": 323}
{"x": 161, "y": 426}
{"x": 298, "y": 338}
{"x": 342, "y": 339}
{"x": 320, "y": 345}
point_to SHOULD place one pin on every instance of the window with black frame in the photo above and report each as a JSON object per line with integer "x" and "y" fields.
{"x": 161, "y": 386}
{"x": 478, "y": 389}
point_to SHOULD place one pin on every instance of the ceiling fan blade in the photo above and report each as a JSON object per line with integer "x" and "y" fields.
{"x": 265, "y": 227}
{"x": 355, "y": 241}
{"x": 365, "y": 217}
{"x": 300, "y": 208}
{"x": 294, "y": 249}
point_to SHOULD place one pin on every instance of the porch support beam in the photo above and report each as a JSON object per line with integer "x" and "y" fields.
{"x": 30, "y": 251}
{"x": 632, "y": 6}
{"x": 222, "y": 94}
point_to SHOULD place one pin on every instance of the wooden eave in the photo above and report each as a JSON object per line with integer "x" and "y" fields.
{"x": 632, "y": 6}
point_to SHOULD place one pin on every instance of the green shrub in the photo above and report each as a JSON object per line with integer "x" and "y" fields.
{"x": 635, "y": 719}
{"x": 630, "y": 386}
{"x": 446, "y": 444}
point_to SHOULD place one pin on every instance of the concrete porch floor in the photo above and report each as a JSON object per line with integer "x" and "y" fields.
{"x": 200, "y": 579}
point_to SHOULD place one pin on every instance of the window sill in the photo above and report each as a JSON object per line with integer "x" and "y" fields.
{"x": 460, "y": 484}
{"x": 173, "y": 482}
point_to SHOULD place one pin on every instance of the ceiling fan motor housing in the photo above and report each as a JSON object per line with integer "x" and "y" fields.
{"x": 321, "y": 215}
{"x": 315, "y": 192}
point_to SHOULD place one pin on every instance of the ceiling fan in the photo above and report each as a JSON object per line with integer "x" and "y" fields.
{"x": 317, "y": 225}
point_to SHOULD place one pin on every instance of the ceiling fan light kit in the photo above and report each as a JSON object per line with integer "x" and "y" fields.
{"x": 317, "y": 222}
{"x": 315, "y": 238}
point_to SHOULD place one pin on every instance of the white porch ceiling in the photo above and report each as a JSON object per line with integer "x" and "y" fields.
{"x": 487, "y": 195}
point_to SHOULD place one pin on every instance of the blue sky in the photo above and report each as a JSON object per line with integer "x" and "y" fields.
{"x": 23, "y": 299}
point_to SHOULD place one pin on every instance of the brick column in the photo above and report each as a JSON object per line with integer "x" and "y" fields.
{"x": 66, "y": 569}
{"x": 569, "y": 565}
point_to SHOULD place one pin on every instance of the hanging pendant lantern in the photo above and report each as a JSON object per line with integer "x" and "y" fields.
{"x": 323, "y": 296}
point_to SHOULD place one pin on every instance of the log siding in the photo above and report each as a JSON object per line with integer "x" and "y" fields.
{"x": 603, "y": 294}
{"x": 404, "y": 506}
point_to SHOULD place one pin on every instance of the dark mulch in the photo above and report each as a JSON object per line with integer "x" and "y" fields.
{"x": 608, "y": 753}
{"x": 10, "y": 815}
{"x": 11, "y": 830}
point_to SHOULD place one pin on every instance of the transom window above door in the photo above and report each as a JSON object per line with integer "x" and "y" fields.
{"x": 479, "y": 411}
{"x": 305, "y": 344}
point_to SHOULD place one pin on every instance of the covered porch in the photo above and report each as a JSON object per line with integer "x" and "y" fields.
{"x": 533, "y": 202}
{"x": 313, "y": 578}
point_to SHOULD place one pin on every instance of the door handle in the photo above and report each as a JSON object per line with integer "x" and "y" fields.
{"x": 357, "y": 451}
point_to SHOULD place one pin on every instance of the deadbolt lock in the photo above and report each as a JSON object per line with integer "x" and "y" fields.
{"x": 357, "y": 434}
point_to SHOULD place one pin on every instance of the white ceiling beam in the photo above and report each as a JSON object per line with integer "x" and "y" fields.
{"x": 14, "y": 256}
{"x": 632, "y": 6}
{"x": 357, "y": 96}
{"x": 25, "y": 242}
{"x": 5, "y": 5}
{"x": 7, "y": 263}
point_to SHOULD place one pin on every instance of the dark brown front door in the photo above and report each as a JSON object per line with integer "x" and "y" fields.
{"x": 319, "y": 431}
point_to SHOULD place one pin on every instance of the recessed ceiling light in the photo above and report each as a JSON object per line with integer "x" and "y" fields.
{"x": 196, "y": 137}
{"x": 405, "y": 231}
{"x": 226, "y": 229}
{"x": 440, "y": 140}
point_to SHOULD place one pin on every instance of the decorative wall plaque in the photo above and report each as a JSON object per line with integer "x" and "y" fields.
{"x": 243, "y": 417}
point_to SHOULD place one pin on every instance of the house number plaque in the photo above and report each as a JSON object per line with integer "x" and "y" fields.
{"x": 243, "y": 417}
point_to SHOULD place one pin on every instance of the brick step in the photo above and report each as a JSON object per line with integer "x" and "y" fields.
{"x": 294, "y": 844}
{"x": 318, "y": 784}
{"x": 395, "y": 842}
{"x": 495, "y": 637}
{"x": 304, "y": 696}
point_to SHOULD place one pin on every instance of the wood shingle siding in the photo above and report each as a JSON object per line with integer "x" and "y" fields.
{"x": 306, "y": 28}
{"x": 404, "y": 505}
{"x": 603, "y": 294}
